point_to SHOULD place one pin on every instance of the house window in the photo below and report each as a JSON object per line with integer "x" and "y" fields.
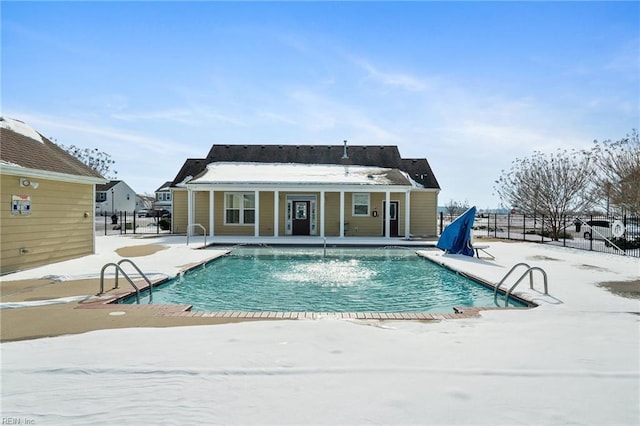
{"x": 163, "y": 196}
{"x": 101, "y": 196}
{"x": 239, "y": 208}
{"x": 361, "y": 204}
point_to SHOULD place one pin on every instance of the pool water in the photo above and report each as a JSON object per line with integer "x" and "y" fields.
{"x": 307, "y": 280}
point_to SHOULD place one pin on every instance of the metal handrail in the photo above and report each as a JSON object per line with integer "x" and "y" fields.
{"x": 129, "y": 261}
{"x": 204, "y": 232}
{"x": 529, "y": 271}
{"x": 115, "y": 265}
{"x": 513, "y": 268}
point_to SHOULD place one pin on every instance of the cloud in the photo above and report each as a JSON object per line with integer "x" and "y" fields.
{"x": 404, "y": 81}
{"x": 104, "y": 135}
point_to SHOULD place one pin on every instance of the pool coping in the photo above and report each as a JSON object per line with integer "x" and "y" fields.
{"x": 111, "y": 300}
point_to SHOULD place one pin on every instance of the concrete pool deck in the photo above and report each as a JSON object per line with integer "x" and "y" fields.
{"x": 60, "y": 298}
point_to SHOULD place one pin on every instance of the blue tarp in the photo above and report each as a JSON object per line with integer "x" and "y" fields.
{"x": 455, "y": 238}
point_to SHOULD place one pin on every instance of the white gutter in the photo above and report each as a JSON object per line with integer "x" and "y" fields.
{"x": 15, "y": 170}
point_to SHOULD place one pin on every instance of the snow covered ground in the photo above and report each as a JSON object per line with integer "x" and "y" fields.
{"x": 573, "y": 360}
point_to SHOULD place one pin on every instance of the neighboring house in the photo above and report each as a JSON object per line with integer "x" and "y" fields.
{"x": 144, "y": 202}
{"x": 114, "y": 197}
{"x": 318, "y": 190}
{"x": 47, "y": 200}
{"x": 163, "y": 198}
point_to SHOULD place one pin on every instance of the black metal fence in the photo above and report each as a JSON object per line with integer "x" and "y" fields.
{"x": 607, "y": 234}
{"x": 155, "y": 222}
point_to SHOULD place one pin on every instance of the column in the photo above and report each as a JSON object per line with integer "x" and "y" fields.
{"x": 276, "y": 213}
{"x": 387, "y": 215}
{"x": 189, "y": 212}
{"x": 341, "y": 214}
{"x": 211, "y": 213}
{"x": 256, "y": 226}
{"x": 322, "y": 214}
{"x": 407, "y": 214}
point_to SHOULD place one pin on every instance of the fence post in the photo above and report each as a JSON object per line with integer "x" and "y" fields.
{"x": 591, "y": 233}
{"x": 105, "y": 224}
{"x": 135, "y": 215}
{"x": 509, "y": 226}
{"x": 441, "y": 221}
{"x": 488, "y": 224}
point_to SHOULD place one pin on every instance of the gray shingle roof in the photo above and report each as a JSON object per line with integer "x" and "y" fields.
{"x": 21, "y": 150}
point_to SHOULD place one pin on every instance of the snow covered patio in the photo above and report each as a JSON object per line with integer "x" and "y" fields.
{"x": 575, "y": 359}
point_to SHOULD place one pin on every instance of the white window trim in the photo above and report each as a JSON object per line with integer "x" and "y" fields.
{"x": 241, "y": 208}
{"x": 353, "y": 204}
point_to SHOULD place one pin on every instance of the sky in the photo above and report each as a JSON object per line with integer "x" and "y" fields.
{"x": 471, "y": 86}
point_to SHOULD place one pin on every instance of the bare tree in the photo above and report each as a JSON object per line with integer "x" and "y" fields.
{"x": 618, "y": 178}
{"x": 552, "y": 185}
{"x": 455, "y": 208}
{"x": 99, "y": 161}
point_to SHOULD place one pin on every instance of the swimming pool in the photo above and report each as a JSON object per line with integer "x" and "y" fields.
{"x": 308, "y": 280}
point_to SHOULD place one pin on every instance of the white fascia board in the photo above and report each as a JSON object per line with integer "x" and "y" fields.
{"x": 15, "y": 170}
{"x": 299, "y": 188}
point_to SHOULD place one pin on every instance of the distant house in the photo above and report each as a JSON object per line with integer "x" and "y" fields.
{"x": 114, "y": 197}
{"x": 47, "y": 200}
{"x": 163, "y": 197}
{"x": 315, "y": 190}
{"x": 144, "y": 202}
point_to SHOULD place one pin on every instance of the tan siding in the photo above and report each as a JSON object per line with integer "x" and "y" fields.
{"x": 332, "y": 214}
{"x": 201, "y": 208}
{"x": 424, "y": 213}
{"x": 266, "y": 214}
{"x": 57, "y": 228}
{"x": 179, "y": 211}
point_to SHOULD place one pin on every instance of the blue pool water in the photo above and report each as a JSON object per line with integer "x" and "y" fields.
{"x": 306, "y": 280}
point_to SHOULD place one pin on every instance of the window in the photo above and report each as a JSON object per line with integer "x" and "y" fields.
{"x": 239, "y": 208}
{"x": 163, "y": 196}
{"x": 361, "y": 204}
{"x": 101, "y": 196}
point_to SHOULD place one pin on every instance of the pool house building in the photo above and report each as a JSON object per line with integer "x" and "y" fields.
{"x": 284, "y": 191}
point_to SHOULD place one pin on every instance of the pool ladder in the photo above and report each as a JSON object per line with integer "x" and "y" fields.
{"x": 204, "y": 232}
{"x": 118, "y": 268}
{"x": 530, "y": 270}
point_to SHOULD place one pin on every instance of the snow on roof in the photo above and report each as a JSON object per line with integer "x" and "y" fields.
{"x": 18, "y": 126}
{"x": 266, "y": 173}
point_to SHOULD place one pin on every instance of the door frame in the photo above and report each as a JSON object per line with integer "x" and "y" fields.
{"x": 313, "y": 212}
{"x": 394, "y": 224}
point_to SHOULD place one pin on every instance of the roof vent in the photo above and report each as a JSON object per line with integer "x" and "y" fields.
{"x": 344, "y": 153}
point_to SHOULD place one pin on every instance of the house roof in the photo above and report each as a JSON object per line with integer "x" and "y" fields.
{"x": 164, "y": 187}
{"x": 107, "y": 186}
{"x": 232, "y": 173}
{"x": 24, "y": 147}
{"x": 384, "y": 156}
